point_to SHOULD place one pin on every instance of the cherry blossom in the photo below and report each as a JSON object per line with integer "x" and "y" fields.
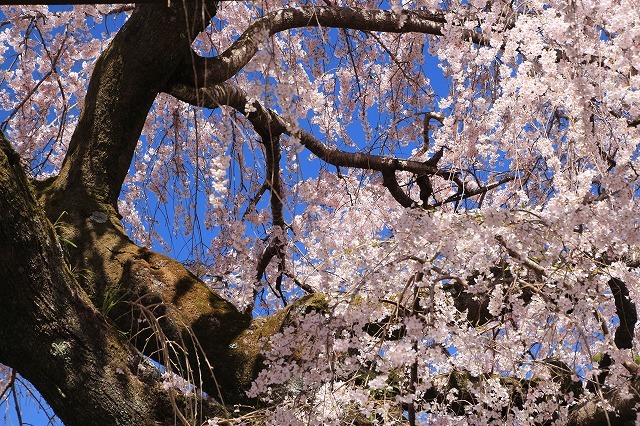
{"x": 475, "y": 242}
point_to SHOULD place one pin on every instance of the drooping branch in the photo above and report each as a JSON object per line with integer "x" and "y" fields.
{"x": 9, "y": 385}
{"x": 54, "y": 63}
{"x": 277, "y": 244}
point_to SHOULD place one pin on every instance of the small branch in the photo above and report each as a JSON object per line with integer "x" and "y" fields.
{"x": 528, "y": 263}
{"x": 255, "y": 199}
{"x": 54, "y": 63}
{"x": 16, "y": 404}
{"x": 300, "y": 284}
{"x": 391, "y": 183}
{"x": 426, "y": 127}
{"x": 9, "y": 384}
{"x": 267, "y": 254}
{"x": 464, "y": 193}
{"x": 120, "y": 9}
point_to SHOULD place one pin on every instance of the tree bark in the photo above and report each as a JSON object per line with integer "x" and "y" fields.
{"x": 126, "y": 79}
{"x": 51, "y": 332}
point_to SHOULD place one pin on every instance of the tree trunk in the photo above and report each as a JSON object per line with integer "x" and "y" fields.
{"x": 84, "y": 368}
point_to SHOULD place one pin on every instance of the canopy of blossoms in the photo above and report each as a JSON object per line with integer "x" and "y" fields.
{"x": 458, "y": 180}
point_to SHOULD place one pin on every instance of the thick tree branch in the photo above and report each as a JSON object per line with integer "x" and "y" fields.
{"x": 126, "y": 80}
{"x": 199, "y": 71}
{"x": 267, "y": 122}
{"x": 43, "y": 300}
{"x": 524, "y": 259}
{"x": 127, "y": 77}
{"x": 391, "y": 183}
{"x": 627, "y": 314}
{"x": 147, "y": 283}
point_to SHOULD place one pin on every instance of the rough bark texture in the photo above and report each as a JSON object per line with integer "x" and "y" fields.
{"x": 124, "y": 84}
{"x": 51, "y": 332}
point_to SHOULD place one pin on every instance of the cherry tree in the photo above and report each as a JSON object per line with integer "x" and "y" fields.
{"x": 377, "y": 212}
